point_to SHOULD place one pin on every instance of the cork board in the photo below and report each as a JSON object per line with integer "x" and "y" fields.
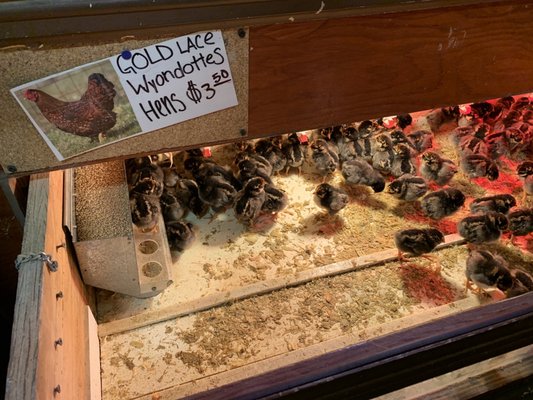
{"x": 24, "y": 149}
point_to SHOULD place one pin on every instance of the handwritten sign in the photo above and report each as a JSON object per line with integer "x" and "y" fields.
{"x": 135, "y": 92}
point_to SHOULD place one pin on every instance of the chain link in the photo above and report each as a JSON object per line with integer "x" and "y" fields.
{"x": 43, "y": 257}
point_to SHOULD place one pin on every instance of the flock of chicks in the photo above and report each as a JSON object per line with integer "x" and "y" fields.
{"x": 370, "y": 153}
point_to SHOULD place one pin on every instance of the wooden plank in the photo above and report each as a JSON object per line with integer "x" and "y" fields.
{"x": 315, "y": 74}
{"x": 50, "y": 328}
{"x": 93, "y": 350}
{"x": 256, "y": 289}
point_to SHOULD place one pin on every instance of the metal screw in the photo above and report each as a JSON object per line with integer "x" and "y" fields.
{"x": 241, "y": 32}
{"x": 58, "y": 342}
{"x": 11, "y": 168}
{"x": 59, "y": 295}
{"x": 57, "y": 390}
{"x": 242, "y": 132}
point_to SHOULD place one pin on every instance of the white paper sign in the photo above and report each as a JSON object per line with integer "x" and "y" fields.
{"x": 135, "y": 92}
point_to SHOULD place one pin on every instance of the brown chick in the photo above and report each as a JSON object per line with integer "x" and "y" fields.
{"x": 249, "y": 201}
{"x": 483, "y": 228}
{"x": 408, "y": 187}
{"x": 437, "y": 169}
{"x": 330, "y": 198}
{"x": 486, "y": 270}
{"x": 478, "y": 165}
{"x": 442, "y": 203}
{"x": 501, "y": 203}
{"x": 417, "y": 241}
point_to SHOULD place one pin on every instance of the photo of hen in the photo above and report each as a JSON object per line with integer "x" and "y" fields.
{"x": 456, "y": 176}
{"x": 80, "y": 110}
{"x": 92, "y": 115}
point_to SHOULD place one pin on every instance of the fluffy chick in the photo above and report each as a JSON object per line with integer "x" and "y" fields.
{"x": 437, "y": 169}
{"x": 145, "y": 211}
{"x": 271, "y": 150}
{"x": 408, "y": 187}
{"x": 171, "y": 208}
{"x": 442, "y": 203}
{"x": 187, "y": 193}
{"x": 520, "y": 222}
{"x": 276, "y": 199}
{"x": 483, "y": 228}
{"x": 478, "y": 165}
{"x": 330, "y": 198}
{"x": 486, "y": 270}
{"x": 180, "y": 235}
{"x": 525, "y": 172}
{"x": 359, "y": 172}
{"x": 216, "y": 191}
{"x": 346, "y": 144}
{"x": 250, "y": 168}
{"x": 501, "y": 203}
{"x": 382, "y": 155}
{"x": 398, "y": 137}
{"x": 522, "y": 283}
{"x": 325, "y": 159}
{"x": 421, "y": 139}
{"x": 417, "y": 241}
{"x": 402, "y": 162}
{"x": 294, "y": 152}
{"x": 249, "y": 201}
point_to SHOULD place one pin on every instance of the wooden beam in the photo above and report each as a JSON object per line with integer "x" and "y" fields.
{"x": 322, "y": 73}
{"x": 50, "y": 326}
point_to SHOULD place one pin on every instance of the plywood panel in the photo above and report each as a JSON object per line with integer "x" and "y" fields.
{"x": 22, "y": 147}
{"x": 315, "y": 74}
{"x": 51, "y": 306}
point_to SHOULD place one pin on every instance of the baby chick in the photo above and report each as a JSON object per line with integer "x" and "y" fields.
{"x": 525, "y": 172}
{"x": 520, "y": 222}
{"x": 187, "y": 193}
{"x": 149, "y": 186}
{"x": 250, "y": 168}
{"x": 216, "y": 191}
{"x": 171, "y": 207}
{"x": 522, "y": 283}
{"x": 363, "y": 144}
{"x": 487, "y": 271}
{"x": 437, "y": 169}
{"x": 398, "y": 137}
{"x": 417, "y": 241}
{"x": 408, "y": 187}
{"x": 180, "y": 235}
{"x": 437, "y": 118}
{"x": 271, "y": 150}
{"x": 276, "y": 199}
{"x": 359, "y": 172}
{"x": 324, "y": 158}
{"x": 483, "y": 228}
{"x": 478, "y": 165}
{"x": 442, "y": 203}
{"x": 501, "y": 203}
{"x": 382, "y": 155}
{"x": 294, "y": 152}
{"x": 249, "y": 201}
{"x": 346, "y": 144}
{"x": 330, "y": 198}
{"x": 422, "y": 140}
{"x": 145, "y": 211}
{"x": 402, "y": 162}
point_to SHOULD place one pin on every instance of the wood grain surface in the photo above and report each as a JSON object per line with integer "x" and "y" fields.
{"x": 316, "y": 74}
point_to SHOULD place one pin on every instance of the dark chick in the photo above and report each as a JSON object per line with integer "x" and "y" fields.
{"x": 501, "y": 203}
{"x": 437, "y": 118}
{"x": 171, "y": 207}
{"x": 522, "y": 283}
{"x": 442, "y": 203}
{"x": 359, "y": 172}
{"x": 422, "y": 140}
{"x": 346, "y": 144}
{"x": 324, "y": 158}
{"x": 520, "y": 222}
{"x": 148, "y": 186}
{"x": 486, "y": 270}
{"x": 408, "y": 187}
{"x": 249, "y": 201}
{"x": 276, "y": 199}
{"x": 180, "y": 235}
{"x": 478, "y": 165}
{"x": 402, "y": 162}
{"x": 250, "y": 168}
{"x": 270, "y": 149}
{"x": 382, "y": 154}
{"x": 145, "y": 211}
{"x": 187, "y": 193}
{"x": 294, "y": 152}
{"x": 398, "y": 137}
{"x": 330, "y": 198}
{"x": 363, "y": 144}
{"x": 417, "y": 241}
{"x": 216, "y": 191}
{"x": 483, "y": 228}
{"x": 437, "y": 169}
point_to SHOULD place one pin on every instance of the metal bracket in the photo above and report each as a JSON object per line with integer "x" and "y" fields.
{"x": 42, "y": 256}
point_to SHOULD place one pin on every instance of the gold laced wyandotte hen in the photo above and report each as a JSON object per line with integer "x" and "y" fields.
{"x": 90, "y": 116}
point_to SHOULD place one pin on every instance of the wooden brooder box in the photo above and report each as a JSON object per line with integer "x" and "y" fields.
{"x": 300, "y": 66}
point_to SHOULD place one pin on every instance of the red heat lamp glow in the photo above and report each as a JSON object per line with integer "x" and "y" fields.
{"x": 206, "y": 152}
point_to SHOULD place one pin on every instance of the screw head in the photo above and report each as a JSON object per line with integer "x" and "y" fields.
{"x": 11, "y": 169}
{"x": 242, "y": 132}
{"x": 241, "y": 32}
